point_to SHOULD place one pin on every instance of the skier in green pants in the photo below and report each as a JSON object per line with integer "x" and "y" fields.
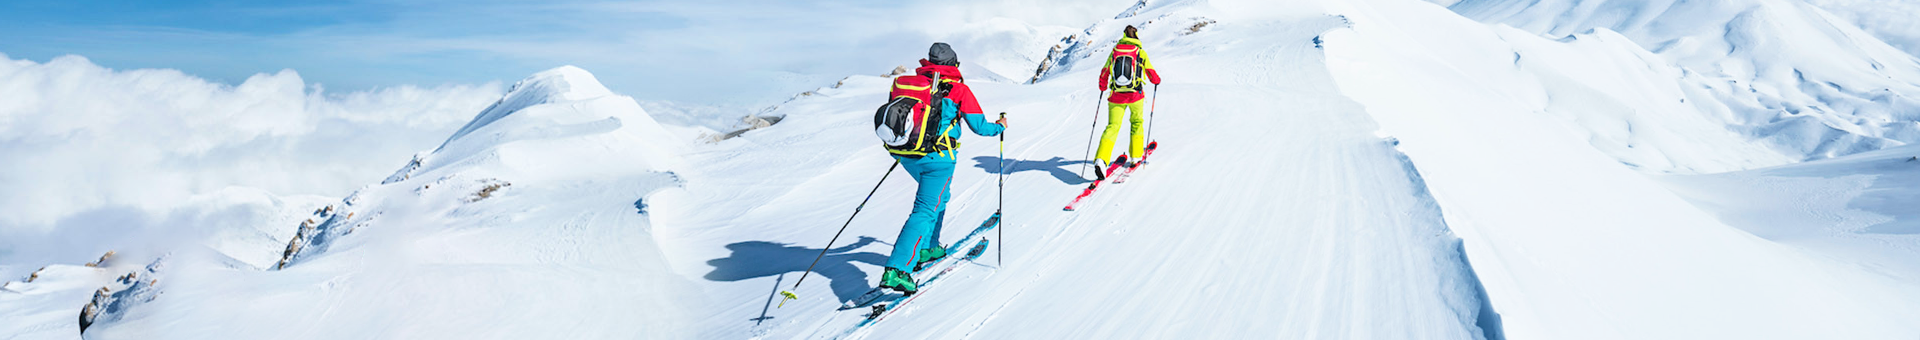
{"x": 1122, "y": 75}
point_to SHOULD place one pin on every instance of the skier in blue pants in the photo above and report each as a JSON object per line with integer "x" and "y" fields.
{"x": 919, "y": 241}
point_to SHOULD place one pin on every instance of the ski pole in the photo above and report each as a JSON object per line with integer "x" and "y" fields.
{"x": 1001, "y": 259}
{"x": 1096, "y": 122}
{"x": 788, "y": 294}
{"x": 1153, "y": 107}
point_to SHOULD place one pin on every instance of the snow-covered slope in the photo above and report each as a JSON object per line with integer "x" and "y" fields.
{"x": 1325, "y": 232}
{"x": 534, "y": 213}
{"x": 1785, "y": 72}
{"x": 1860, "y": 209}
{"x": 1890, "y": 20}
{"x": 1318, "y": 159}
{"x": 1570, "y": 243}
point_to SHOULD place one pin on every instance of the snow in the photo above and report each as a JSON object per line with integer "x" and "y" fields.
{"x": 406, "y": 257}
{"x": 98, "y": 159}
{"x": 60, "y": 285}
{"x": 1889, "y": 20}
{"x": 1329, "y": 169}
{"x": 1568, "y": 244}
{"x": 1030, "y": 46}
{"x": 1778, "y": 71}
{"x": 1164, "y": 248}
{"x": 1857, "y": 209}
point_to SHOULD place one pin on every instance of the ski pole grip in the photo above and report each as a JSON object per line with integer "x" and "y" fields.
{"x": 787, "y": 295}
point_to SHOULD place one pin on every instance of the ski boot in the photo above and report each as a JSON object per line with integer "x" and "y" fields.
{"x": 1100, "y": 167}
{"x": 898, "y": 280}
{"x": 929, "y": 256}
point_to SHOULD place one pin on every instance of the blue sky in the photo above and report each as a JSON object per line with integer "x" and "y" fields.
{"x": 722, "y": 52}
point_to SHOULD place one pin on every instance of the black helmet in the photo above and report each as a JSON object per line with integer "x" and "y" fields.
{"x": 942, "y": 54}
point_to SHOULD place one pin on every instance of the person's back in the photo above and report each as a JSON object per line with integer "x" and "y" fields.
{"x": 919, "y": 240}
{"x": 1125, "y": 66}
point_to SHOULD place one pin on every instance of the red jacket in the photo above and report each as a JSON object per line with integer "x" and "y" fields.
{"x": 960, "y": 94}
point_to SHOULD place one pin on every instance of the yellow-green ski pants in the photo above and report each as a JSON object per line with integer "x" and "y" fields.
{"x": 1116, "y": 111}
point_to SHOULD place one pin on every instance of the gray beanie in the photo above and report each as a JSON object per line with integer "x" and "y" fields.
{"x": 942, "y": 54}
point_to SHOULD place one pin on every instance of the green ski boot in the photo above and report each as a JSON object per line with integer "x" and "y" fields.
{"x": 898, "y": 280}
{"x": 929, "y": 256}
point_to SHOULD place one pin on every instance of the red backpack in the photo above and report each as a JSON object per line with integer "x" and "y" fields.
{"x": 1126, "y": 69}
{"x": 908, "y": 123}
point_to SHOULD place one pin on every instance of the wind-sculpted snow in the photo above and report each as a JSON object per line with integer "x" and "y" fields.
{"x": 1890, "y": 20}
{"x": 1782, "y": 72}
{"x": 1860, "y": 208}
{"x": 1006, "y": 50}
{"x": 1522, "y": 141}
{"x": 1286, "y": 219}
{"x": 1094, "y": 41}
{"x": 530, "y": 222}
{"x": 562, "y": 84}
{"x": 1366, "y": 169}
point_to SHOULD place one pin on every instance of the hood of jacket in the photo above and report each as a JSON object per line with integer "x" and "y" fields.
{"x": 927, "y": 68}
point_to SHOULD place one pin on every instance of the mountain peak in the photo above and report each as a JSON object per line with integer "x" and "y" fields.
{"x": 564, "y": 83}
{"x": 567, "y": 82}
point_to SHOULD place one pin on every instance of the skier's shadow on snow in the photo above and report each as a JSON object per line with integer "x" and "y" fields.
{"x": 1056, "y": 166}
{"x": 757, "y": 259}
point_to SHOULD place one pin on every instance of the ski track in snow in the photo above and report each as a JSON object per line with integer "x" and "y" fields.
{"x": 1286, "y": 204}
{"x": 1313, "y": 230}
{"x": 1569, "y": 243}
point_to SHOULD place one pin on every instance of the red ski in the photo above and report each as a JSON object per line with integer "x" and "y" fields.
{"x": 1137, "y": 164}
{"x": 1112, "y": 168}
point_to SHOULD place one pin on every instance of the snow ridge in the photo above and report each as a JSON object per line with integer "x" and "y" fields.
{"x": 135, "y": 288}
{"x": 564, "y": 103}
{"x": 565, "y": 210}
{"x": 1785, "y": 73}
{"x": 545, "y": 189}
{"x": 563, "y": 83}
{"x": 1539, "y": 147}
{"x": 1081, "y": 46}
{"x": 1465, "y": 279}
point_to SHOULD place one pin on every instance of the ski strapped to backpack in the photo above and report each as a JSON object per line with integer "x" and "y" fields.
{"x": 909, "y": 124}
{"x": 1126, "y": 69}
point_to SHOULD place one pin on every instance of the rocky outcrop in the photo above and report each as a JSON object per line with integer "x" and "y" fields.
{"x": 111, "y": 301}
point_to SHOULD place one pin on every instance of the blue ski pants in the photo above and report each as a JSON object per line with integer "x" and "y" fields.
{"x": 935, "y": 175}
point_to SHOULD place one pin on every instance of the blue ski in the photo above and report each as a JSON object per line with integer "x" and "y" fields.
{"x": 883, "y": 301}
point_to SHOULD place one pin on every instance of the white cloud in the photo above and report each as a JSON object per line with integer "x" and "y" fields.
{"x": 727, "y": 53}
{"x": 92, "y": 152}
{"x": 81, "y": 142}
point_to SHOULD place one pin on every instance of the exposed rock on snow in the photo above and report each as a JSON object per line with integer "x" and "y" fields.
{"x": 510, "y": 137}
{"x": 129, "y": 290}
{"x": 537, "y": 193}
{"x": 317, "y": 231}
{"x": 1320, "y": 159}
{"x": 1199, "y": 23}
{"x": 487, "y": 190}
{"x": 102, "y": 261}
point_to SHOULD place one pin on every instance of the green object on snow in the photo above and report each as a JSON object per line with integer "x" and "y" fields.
{"x": 898, "y": 280}
{"x": 930, "y": 255}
